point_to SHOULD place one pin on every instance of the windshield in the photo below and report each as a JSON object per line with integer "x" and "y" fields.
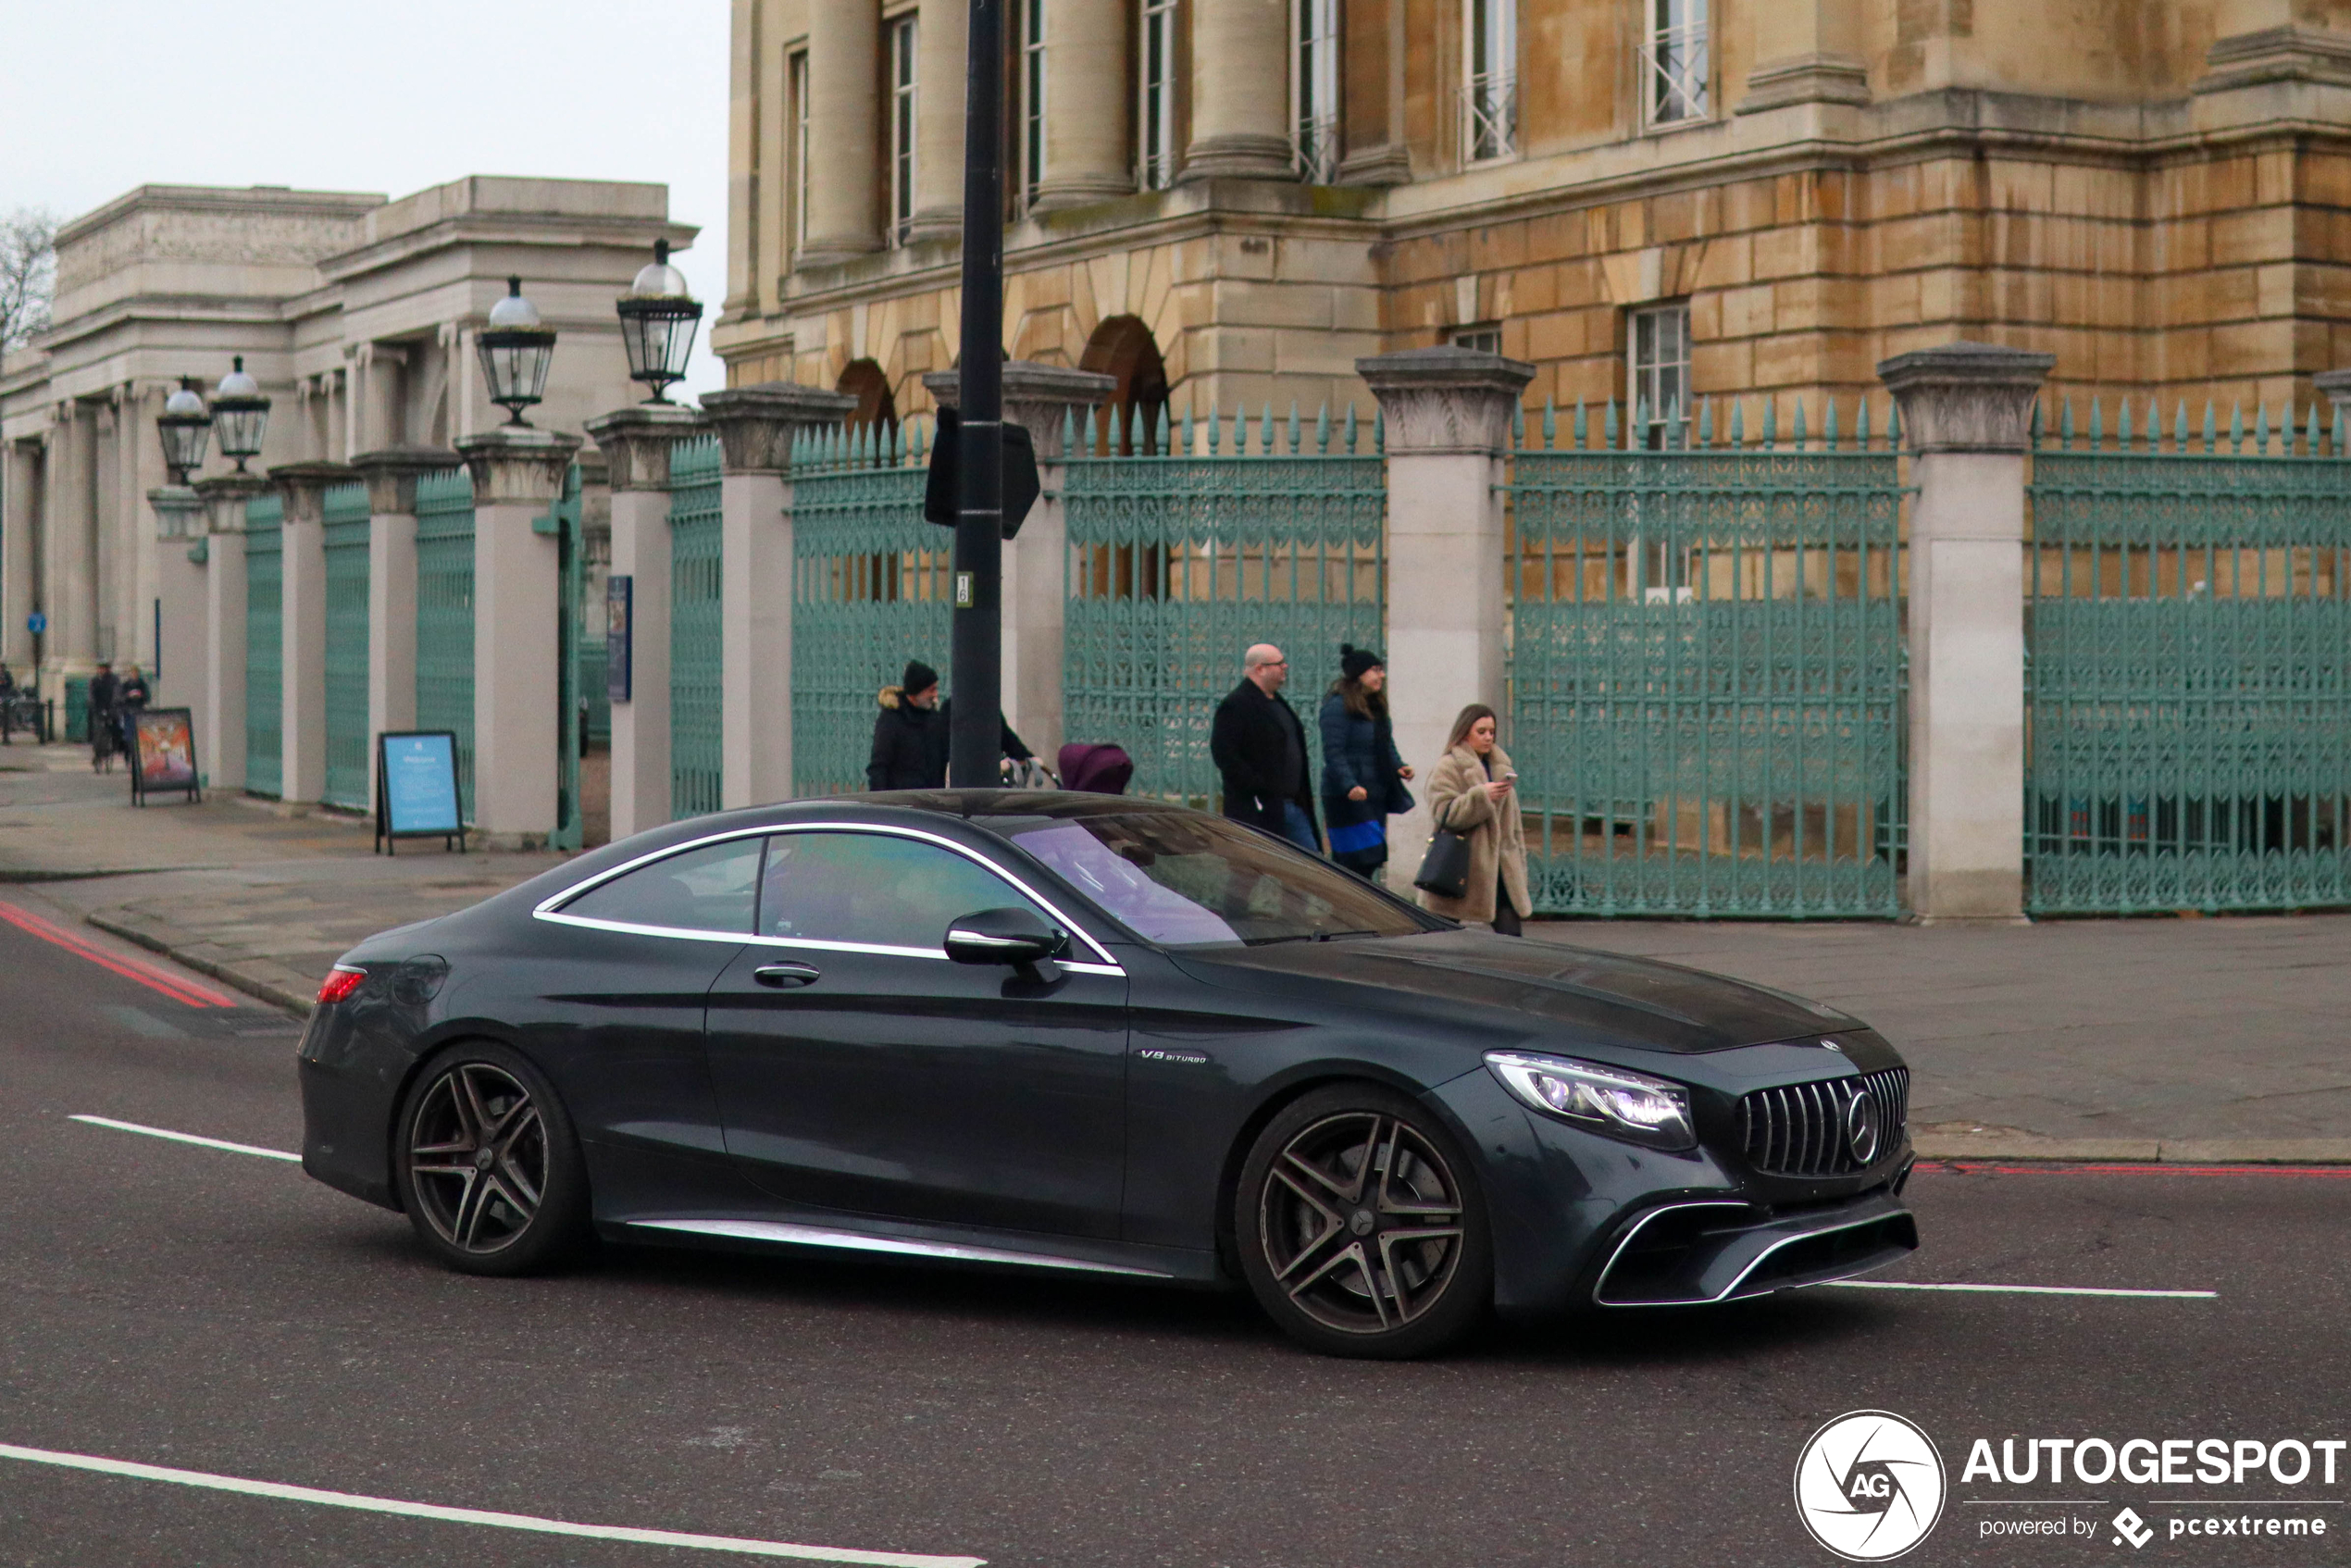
{"x": 1187, "y": 881}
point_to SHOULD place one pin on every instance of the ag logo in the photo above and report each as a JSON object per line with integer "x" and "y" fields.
{"x": 1869, "y": 1485}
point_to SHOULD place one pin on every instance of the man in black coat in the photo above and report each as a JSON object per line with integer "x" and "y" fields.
{"x": 1260, "y": 748}
{"x": 909, "y": 735}
{"x": 103, "y": 731}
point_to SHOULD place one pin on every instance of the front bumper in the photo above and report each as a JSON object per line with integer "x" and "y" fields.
{"x": 1715, "y": 1250}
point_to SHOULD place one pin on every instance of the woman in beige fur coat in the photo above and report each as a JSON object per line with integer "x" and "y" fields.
{"x": 1475, "y": 793}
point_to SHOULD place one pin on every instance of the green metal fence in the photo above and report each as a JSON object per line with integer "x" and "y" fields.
{"x": 872, "y": 588}
{"x": 265, "y": 645}
{"x": 1248, "y": 531}
{"x": 445, "y": 615}
{"x": 1707, "y": 666}
{"x": 564, "y": 519}
{"x": 2189, "y": 668}
{"x": 346, "y": 651}
{"x": 696, "y": 640}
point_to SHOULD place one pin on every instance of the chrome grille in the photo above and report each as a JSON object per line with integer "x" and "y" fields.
{"x": 1799, "y": 1129}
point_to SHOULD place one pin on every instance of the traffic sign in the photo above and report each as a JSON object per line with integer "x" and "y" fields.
{"x": 36, "y": 623}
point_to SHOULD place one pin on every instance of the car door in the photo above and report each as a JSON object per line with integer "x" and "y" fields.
{"x": 857, "y": 1068}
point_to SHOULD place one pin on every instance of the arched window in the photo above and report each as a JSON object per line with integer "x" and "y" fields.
{"x": 864, "y": 380}
{"x": 1122, "y": 346}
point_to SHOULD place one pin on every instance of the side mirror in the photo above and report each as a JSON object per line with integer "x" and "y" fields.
{"x": 1005, "y": 935}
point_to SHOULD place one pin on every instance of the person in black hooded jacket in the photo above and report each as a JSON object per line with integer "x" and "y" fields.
{"x": 909, "y": 735}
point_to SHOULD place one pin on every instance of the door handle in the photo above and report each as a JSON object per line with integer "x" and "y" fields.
{"x": 783, "y": 976}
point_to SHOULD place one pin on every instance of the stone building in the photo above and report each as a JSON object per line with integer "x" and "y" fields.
{"x": 357, "y": 315}
{"x": 1647, "y": 200}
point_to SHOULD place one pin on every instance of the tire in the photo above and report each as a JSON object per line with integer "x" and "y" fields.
{"x": 1361, "y": 1227}
{"x": 487, "y": 1165}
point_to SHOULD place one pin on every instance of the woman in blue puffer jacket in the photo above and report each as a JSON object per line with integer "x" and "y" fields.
{"x": 1362, "y": 776}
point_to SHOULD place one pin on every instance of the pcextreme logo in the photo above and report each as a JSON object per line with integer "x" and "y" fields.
{"x": 1870, "y": 1485}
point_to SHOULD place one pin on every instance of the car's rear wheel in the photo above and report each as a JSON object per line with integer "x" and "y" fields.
{"x": 489, "y": 1169}
{"x": 1361, "y": 1227}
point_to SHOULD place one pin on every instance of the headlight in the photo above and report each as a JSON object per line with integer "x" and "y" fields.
{"x": 1632, "y": 1106}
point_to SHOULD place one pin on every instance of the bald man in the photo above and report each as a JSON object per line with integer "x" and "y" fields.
{"x": 1259, "y": 749}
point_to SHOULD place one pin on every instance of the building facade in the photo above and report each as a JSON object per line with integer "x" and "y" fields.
{"x": 1653, "y": 200}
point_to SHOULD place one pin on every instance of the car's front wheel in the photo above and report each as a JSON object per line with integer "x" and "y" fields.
{"x": 1361, "y": 1228}
{"x": 489, "y": 1170}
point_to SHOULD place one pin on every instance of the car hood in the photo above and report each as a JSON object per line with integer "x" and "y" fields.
{"x": 1632, "y": 1002}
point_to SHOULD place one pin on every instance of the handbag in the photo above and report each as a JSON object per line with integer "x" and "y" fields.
{"x": 1444, "y": 869}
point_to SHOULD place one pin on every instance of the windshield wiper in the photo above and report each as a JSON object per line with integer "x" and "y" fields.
{"x": 1334, "y": 936}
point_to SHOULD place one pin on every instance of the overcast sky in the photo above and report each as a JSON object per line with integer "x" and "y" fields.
{"x": 97, "y": 96}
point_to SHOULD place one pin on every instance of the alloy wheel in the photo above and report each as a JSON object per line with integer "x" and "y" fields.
{"x": 478, "y": 1157}
{"x": 1362, "y": 1223}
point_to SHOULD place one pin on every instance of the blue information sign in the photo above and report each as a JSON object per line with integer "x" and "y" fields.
{"x": 36, "y": 623}
{"x": 419, "y": 784}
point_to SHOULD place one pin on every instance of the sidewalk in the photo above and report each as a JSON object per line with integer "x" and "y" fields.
{"x": 2183, "y": 1040}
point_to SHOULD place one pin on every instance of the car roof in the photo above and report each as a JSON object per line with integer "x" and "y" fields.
{"x": 1059, "y": 805}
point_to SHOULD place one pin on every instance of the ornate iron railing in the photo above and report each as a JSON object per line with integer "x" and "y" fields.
{"x": 445, "y": 615}
{"x": 346, "y": 651}
{"x": 564, "y": 519}
{"x": 1178, "y": 563}
{"x": 1707, "y": 668}
{"x": 2189, "y": 668}
{"x": 696, "y": 643}
{"x": 872, "y": 588}
{"x": 265, "y": 645}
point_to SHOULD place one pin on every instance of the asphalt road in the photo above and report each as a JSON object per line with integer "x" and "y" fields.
{"x": 215, "y": 1311}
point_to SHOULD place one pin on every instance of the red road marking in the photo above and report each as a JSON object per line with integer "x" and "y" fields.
{"x": 147, "y": 974}
{"x": 1980, "y": 1168}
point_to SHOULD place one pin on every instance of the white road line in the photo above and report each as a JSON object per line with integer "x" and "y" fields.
{"x": 479, "y": 1516}
{"x": 2021, "y": 1290}
{"x": 187, "y": 1137}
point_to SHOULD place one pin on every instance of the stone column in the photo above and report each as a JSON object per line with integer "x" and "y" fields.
{"x": 1088, "y": 100}
{"x": 19, "y": 526}
{"x": 517, "y": 473}
{"x": 70, "y": 538}
{"x": 302, "y": 667}
{"x": 756, "y": 428}
{"x": 1806, "y": 52}
{"x": 175, "y": 656}
{"x": 1240, "y": 91}
{"x": 844, "y": 131}
{"x": 941, "y": 41}
{"x": 390, "y": 474}
{"x": 220, "y": 709}
{"x": 635, "y": 444}
{"x": 1966, "y": 412}
{"x": 1448, "y": 424}
{"x": 1040, "y": 399}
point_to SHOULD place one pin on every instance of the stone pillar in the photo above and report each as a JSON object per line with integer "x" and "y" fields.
{"x": 1806, "y": 52}
{"x": 756, "y": 428}
{"x": 1240, "y": 91}
{"x": 1448, "y": 424}
{"x": 1966, "y": 412}
{"x": 390, "y": 474}
{"x": 220, "y": 709}
{"x": 942, "y": 42}
{"x": 1040, "y": 399}
{"x": 302, "y": 758}
{"x": 70, "y": 538}
{"x": 844, "y": 131}
{"x": 19, "y": 526}
{"x": 517, "y": 473}
{"x": 1088, "y": 100}
{"x": 175, "y": 631}
{"x": 635, "y": 444}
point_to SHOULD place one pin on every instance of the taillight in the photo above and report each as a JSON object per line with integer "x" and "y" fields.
{"x": 341, "y": 980}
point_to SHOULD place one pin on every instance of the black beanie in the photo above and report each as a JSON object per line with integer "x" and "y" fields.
{"x": 1355, "y": 661}
{"x": 920, "y": 678}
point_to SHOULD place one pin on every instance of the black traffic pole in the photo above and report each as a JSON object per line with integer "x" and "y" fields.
{"x": 974, "y": 736}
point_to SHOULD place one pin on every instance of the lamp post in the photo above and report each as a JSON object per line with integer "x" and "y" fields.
{"x": 185, "y": 426}
{"x": 516, "y": 349}
{"x": 657, "y": 322}
{"x": 976, "y": 637}
{"x": 240, "y": 413}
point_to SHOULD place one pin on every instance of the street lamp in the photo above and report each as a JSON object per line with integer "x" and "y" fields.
{"x": 240, "y": 413}
{"x": 185, "y": 425}
{"x": 515, "y": 350}
{"x": 657, "y": 322}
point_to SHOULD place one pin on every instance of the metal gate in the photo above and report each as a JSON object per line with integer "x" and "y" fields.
{"x": 265, "y": 645}
{"x": 872, "y": 588}
{"x": 346, "y": 651}
{"x": 445, "y": 615}
{"x": 1176, "y": 564}
{"x": 2189, "y": 670}
{"x": 564, "y": 520}
{"x": 696, "y": 640}
{"x": 1707, "y": 668}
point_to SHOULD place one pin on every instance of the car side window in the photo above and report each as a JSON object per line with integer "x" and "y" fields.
{"x": 875, "y": 889}
{"x": 710, "y": 889}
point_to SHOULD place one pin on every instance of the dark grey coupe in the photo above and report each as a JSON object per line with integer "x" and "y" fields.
{"x": 1103, "y": 1036}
